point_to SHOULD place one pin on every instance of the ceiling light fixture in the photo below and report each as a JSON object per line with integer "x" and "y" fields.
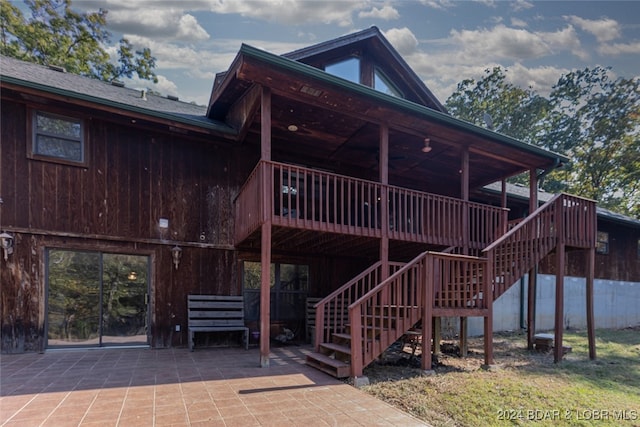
{"x": 292, "y": 128}
{"x": 427, "y": 145}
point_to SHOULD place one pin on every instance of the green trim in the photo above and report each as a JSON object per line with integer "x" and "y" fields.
{"x": 411, "y": 107}
{"x": 125, "y": 107}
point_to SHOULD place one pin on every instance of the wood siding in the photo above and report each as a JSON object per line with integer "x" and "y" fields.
{"x": 134, "y": 177}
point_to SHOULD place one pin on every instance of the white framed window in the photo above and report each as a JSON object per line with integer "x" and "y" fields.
{"x": 57, "y": 138}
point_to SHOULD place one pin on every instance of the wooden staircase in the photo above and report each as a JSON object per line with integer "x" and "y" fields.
{"x": 359, "y": 321}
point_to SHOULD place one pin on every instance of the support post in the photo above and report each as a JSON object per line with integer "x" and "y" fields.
{"x": 531, "y": 306}
{"x": 533, "y": 273}
{"x": 591, "y": 261}
{"x": 437, "y": 334}
{"x": 384, "y": 199}
{"x": 265, "y": 254}
{"x": 464, "y": 331}
{"x": 426, "y": 279}
{"x": 560, "y": 266}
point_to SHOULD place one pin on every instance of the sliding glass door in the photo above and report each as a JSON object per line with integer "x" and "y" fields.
{"x": 96, "y": 299}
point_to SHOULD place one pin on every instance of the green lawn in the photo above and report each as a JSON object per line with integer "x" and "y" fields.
{"x": 526, "y": 388}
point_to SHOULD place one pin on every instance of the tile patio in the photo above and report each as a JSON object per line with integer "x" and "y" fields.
{"x": 175, "y": 387}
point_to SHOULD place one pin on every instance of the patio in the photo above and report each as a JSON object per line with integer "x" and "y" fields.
{"x": 175, "y": 387}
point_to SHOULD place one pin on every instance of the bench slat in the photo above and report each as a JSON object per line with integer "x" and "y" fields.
{"x": 216, "y": 313}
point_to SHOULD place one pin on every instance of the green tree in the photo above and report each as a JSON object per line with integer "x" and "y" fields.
{"x": 589, "y": 117}
{"x": 57, "y": 35}
{"x": 595, "y": 122}
{"x": 495, "y": 103}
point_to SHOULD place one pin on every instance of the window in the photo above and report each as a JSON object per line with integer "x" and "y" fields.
{"x": 348, "y": 69}
{"x": 57, "y": 137}
{"x": 289, "y": 288}
{"x": 382, "y": 84}
{"x": 602, "y": 244}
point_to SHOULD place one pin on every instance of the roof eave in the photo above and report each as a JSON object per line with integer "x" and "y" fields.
{"x": 410, "y": 107}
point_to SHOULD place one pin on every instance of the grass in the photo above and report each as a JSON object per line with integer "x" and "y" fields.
{"x": 527, "y": 387}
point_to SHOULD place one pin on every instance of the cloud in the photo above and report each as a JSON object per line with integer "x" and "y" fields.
{"x": 616, "y": 49}
{"x": 502, "y": 42}
{"x": 166, "y": 20}
{"x": 604, "y": 30}
{"x": 386, "y": 13}
{"x": 292, "y": 11}
{"x": 519, "y": 5}
{"x": 516, "y": 22}
{"x": 402, "y": 39}
{"x": 438, "y": 4}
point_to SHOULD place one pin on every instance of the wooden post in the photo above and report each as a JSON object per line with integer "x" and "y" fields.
{"x": 533, "y": 273}
{"x": 437, "y": 334}
{"x": 466, "y": 236}
{"x": 265, "y": 254}
{"x": 384, "y": 199}
{"x": 464, "y": 331}
{"x": 591, "y": 261}
{"x": 426, "y": 280}
{"x": 488, "y": 318}
{"x": 560, "y": 264}
{"x": 532, "y": 284}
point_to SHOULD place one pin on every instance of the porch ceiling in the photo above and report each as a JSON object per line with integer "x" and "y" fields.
{"x": 337, "y": 128}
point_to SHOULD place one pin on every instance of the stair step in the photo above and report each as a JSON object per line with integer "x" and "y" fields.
{"x": 345, "y": 337}
{"x": 337, "y": 348}
{"x": 333, "y": 367}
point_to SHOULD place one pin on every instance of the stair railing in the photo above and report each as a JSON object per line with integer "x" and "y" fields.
{"x": 376, "y": 317}
{"x": 332, "y": 311}
{"x": 527, "y": 243}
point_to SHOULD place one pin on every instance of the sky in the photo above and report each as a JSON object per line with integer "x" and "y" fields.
{"x": 444, "y": 41}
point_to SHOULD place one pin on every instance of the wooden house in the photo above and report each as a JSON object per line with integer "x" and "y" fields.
{"x": 328, "y": 172}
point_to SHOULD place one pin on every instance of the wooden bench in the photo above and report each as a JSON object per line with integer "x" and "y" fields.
{"x": 216, "y": 313}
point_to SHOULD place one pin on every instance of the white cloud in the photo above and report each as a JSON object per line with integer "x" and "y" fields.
{"x": 516, "y": 22}
{"x": 604, "y": 30}
{"x": 521, "y": 5}
{"x": 292, "y": 11}
{"x": 438, "y": 4}
{"x": 163, "y": 87}
{"x": 402, "y": 39}
{"x": 385, "y": 12}
{"x": 500, "y": 42}
{"x": 616, "y": 49}
{"x": 540, "y": 79}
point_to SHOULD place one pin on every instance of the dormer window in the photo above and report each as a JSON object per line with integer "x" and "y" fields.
{"x": 348, "y": 69}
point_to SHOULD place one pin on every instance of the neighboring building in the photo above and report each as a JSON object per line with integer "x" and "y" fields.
{"x": 305, "y": 170}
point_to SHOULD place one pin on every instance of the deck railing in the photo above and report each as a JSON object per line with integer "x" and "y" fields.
{"x": 332, "y": 311}
{"x": 316, "y": 200}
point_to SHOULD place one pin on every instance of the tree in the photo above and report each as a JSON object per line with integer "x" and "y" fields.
{"x": 589, "y": 117}
{"x": 499, "y": 105}
{"x": 57, "y": 35}
{"x": 595, "y": 121}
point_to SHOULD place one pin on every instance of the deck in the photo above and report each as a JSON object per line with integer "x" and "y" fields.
{"x": 321, "y": 202}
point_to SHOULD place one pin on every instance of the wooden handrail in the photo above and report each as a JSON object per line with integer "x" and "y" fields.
{"x": 336, "y": 304}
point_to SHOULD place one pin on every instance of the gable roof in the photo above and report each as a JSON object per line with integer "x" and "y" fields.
{"x": 55, "y": 81}
{"x": 372, "y": 42}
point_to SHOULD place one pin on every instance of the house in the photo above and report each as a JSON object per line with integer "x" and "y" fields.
{"x": 329, "y": 172}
